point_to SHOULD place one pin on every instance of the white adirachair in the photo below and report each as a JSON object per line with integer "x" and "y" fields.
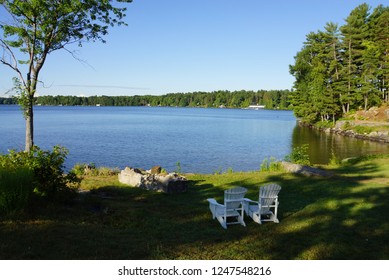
{"x": 231, "y": 212}
{"x": 265, "y": 209}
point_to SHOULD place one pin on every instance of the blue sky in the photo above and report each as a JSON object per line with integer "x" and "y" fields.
{"x": 184, "y": 46}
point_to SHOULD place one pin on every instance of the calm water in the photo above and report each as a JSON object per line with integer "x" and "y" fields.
{"x": 201, "y": 140}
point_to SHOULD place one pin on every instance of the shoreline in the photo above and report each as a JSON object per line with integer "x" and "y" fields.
{"x": 375, "y": 136}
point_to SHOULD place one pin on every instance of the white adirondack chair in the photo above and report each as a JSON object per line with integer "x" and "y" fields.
{"x": 231, "y": 212}
{"x": 265, "y": 209}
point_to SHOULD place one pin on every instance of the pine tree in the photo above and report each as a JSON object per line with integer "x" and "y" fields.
{"x": 379, "y": 34}
{"x": 354, "y": 32}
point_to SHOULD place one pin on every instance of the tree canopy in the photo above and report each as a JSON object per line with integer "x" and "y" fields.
{"x": 344, "y": 68}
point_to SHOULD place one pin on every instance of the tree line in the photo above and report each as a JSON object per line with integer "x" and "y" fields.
{"x": 343, "y": 68}
{"x": 271, "y": 99}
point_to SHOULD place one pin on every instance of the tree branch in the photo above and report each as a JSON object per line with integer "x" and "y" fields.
{"x": 14, "y": 65}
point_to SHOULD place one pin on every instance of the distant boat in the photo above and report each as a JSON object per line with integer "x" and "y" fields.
{"x": 256, "y": 107}
{"x": 98, "y": 105}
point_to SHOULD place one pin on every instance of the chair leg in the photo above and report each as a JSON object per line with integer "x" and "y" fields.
{"x": 241, "y": 221}
{"x": 275, "y": 211}
{"x": 222, "y": 222}
{"x": 256, "y": 217}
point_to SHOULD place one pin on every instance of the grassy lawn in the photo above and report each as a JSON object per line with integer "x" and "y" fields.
{"x": 342, "y": 217}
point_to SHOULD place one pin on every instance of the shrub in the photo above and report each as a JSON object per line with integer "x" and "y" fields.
{"x": 16, "y": 187}
{"x": 334, "y": 160}
{"x": 106, "y": 171}
{"x": 270, "y": 164}
{"x": 79, "y": 169}
{"x": 178, "y": 167}
{"x": 347, "y": 126}
{"x": 82, "y": 169}
{"x": 47, "y": 167}
{"x": 363, "y": 129}
{"x": 324, "y": 124}
{"x": 299, "y": 155}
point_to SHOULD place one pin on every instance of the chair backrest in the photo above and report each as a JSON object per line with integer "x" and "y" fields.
{"x": 267, "y": 194}
{"x": 233, "y": 197}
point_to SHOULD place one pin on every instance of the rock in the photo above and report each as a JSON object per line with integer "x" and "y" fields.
{"x": 169, "y": 183}
{"x": 305, "y": 170}
{"x": 131, "y": 176}
{"x": 155, "y": 169}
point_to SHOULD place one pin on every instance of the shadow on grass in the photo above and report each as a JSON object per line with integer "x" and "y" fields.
{"x": 342, "y": 217}
{"x": 121, "y": 223}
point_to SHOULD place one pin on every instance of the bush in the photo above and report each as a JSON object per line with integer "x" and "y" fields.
{"x": 47, "y": 167}
{"x": 299, "y": 155}
{"x": 347, "y": 126}
{"x": 82, "y": 169}
{"x": 363, "y": 129}
{"x": 324, "y": 124}
{"x": 16, "y": 187}
{"x": 270, "y": 165}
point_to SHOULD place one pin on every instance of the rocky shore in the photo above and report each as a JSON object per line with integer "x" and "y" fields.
{"x": 374, "y": 124}
{"x": 377, "y": 136}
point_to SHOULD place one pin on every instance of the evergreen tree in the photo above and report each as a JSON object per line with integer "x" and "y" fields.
{"x": 344, "y": 68}
{"x": 354, "y": 32}
{"x": 379, "y": 34}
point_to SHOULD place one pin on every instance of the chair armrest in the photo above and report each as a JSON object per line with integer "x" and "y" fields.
{"x": 214, "y": 202}
{"x": 247, "y": 200}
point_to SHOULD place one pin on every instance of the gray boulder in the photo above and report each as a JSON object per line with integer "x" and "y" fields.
{"x": 152, "y": 180}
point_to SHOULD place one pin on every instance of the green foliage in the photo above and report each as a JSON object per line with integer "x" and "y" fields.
{"x": 270, "y": 164}
{"x": 341, "y": 69}
{"x": 83, "y": 169}
{"x": 218, "y": 171}
{"x": 178, "y": 167}
{"x": 334, "y": 161}
{"x": 324, "y": 124}
{"x": 299, "y": 155}
{"x": 360, "y": 129}
{"x": 347, "y": 126}
{"x": 79, "y": 169}
{"x": 49, "y": 178}
{"x": 31, "y": 30}
{"x": 15, "y": 188}
{"x": 272, "y": 99}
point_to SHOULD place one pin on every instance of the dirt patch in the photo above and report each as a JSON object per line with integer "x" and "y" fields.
{"x": 374, "y": 114}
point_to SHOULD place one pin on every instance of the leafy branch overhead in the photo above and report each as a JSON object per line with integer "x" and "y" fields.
{"x": 35, "y": 28}
{"x": 38, "y": 27}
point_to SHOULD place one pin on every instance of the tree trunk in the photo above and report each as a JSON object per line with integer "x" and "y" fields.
{"x": 29, "y": 115}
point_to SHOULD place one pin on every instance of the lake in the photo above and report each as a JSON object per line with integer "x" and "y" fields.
{"x": 199, "y": 140}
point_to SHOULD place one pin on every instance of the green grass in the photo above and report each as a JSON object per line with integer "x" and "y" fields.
{"x": 344, "y": 217}
{"x": 15, "y": 189}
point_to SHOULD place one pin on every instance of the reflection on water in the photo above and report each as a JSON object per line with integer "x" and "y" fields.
{"x": 322, "y": 146}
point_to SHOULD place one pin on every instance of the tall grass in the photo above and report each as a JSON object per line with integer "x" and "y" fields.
{"x": 15, "y": 189}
